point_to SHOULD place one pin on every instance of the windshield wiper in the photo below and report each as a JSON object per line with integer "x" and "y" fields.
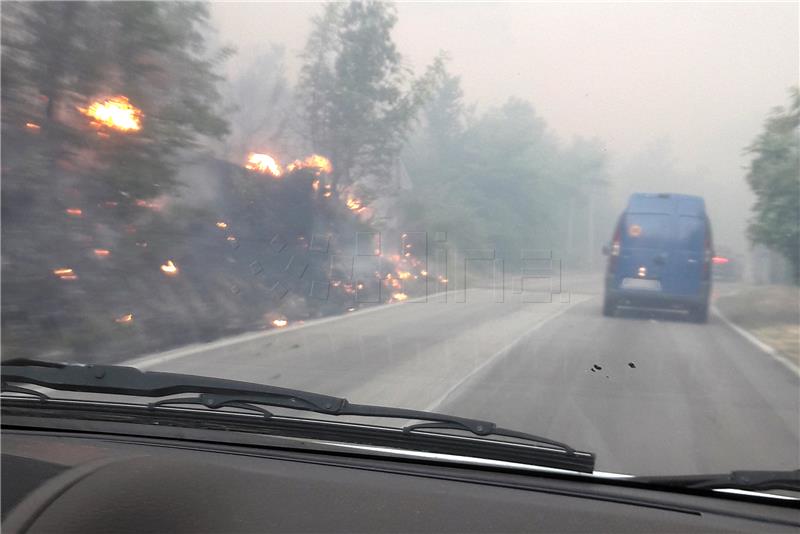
{"x": 216, "y": 393}
{"x": 743, "y": 480}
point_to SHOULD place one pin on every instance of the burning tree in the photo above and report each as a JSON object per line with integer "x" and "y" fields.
{"x": 358, "y": 99}
{"x": 98, "y": 100}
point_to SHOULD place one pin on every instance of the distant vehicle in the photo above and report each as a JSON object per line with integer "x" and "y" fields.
{"x": 660, "y": 256}
{"x": 727, "y": 267}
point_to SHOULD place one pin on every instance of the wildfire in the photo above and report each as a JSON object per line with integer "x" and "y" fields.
{"x": 222, "y": 224}
{"x": 279, "y": 323}
{"x": 32, "y": 126}
{"x": 115, "y": 112}
{"x": 319, "y": 163}
{"x": 75, "y": 212}
{"x": 65, "y": 273}
{"x": 264, "y": 164}
{"x": 124, "y": 319}
{"x": 400, "y": 297}
{"x": 101, "y": 252}
{"x": 403, "y": 275}
{"x": 169, "y": 268}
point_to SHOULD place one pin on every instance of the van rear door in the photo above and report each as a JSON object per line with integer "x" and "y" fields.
{"x": 645, "y": 245}
{"x": 669, "y": 249}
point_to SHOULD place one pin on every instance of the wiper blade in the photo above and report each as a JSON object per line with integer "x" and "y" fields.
{"x": 216, "y": 393}
{"x": 743, "y": 480}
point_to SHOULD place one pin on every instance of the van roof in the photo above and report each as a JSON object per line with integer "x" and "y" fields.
{"x": 667, "y": 203}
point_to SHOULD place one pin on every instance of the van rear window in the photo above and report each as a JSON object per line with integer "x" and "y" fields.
{"x": 647, "y": 230}
{"x": 691, "y": 232}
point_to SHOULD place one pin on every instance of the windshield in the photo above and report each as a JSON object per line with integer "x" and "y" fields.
{"x": 415, "y": 205}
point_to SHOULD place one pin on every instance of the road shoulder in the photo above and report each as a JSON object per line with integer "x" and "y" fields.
{"x": 767, "y": 317}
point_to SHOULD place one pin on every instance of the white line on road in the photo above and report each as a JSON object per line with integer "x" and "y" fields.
{"x": 757, "y": 342}
{"x": 152, "y": 360}
{"x": 432, "y": 407}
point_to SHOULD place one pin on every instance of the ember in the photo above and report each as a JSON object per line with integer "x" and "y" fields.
{"x": 65, "y": 273}
{"x": 169, "y": 268}
{"x": 124, "y": 319}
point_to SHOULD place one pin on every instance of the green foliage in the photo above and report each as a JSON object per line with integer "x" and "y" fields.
{"x": 58, "y": 58}
{"x": 774, "y": 177}
{"x": 499, "y": 180}
{"x": 260, "y": 99}
{"x": 358, "y": 98}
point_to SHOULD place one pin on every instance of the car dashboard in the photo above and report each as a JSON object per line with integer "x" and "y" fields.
{"x": 57, "y": 480}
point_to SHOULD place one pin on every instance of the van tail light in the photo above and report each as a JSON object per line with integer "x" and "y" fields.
{"x": 615, "y": 248}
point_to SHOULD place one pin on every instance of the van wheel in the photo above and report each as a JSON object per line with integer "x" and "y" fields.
{"x": 609, "y": 307}
{"x": 699, "y": 314}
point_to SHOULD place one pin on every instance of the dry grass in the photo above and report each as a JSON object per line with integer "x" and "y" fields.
{"x": 772, "y": 313}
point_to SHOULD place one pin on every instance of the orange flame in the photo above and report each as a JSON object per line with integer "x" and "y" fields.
{"x": 115, "y": 112}
{"x": 280, "y": 323}
{"x": 32, "y": 126}
{"x": 319, "y": 163}
{"x": 75, "y": 212}
{"x": 101, "y": 252}
{"x": 124, "y": 319}
{"x": 354, "y": 204}
{"x": 400, "y": 297}
{"x": 170, "y": 268}
{"x": 263, "y": 163}
{"x": 222, "y": 224}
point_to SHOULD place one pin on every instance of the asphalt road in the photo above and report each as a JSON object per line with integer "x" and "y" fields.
{"x": 649, "y": 393}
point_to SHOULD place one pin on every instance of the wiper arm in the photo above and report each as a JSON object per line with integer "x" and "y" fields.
{"x": 744, "y": 480}
{"x": 216, "y": 393}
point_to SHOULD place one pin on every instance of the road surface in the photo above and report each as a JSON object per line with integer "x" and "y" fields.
{"x": 649, "y": 393}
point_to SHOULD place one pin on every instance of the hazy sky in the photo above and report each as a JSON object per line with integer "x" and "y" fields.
{"x": 701, "y": 75}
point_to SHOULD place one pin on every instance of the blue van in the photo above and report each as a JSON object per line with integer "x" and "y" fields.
{"x": 660, "y": 255}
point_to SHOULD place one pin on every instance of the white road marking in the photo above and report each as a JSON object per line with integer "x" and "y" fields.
{"x": 152, "y": 360}
{"x": 432, "y": 407}
{"x": 757, "y": 342}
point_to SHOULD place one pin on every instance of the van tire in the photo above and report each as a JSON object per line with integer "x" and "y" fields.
{"x": 699, "y": 314}
{"x": 609, "y": 307}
